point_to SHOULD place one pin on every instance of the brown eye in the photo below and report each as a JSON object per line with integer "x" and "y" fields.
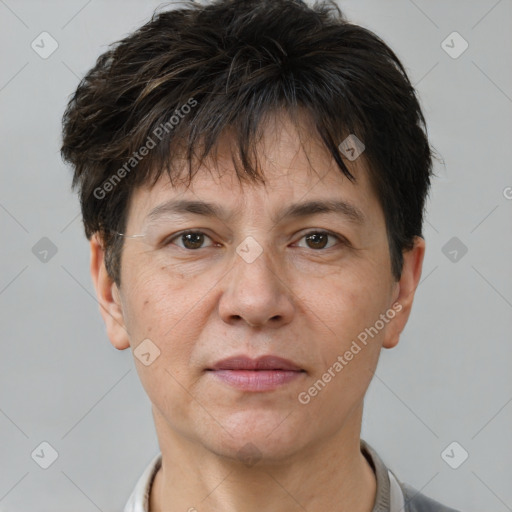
{"x": 190, "y": 240}
{"x": 317, "y": 240}
{"x": 320, "y": 240}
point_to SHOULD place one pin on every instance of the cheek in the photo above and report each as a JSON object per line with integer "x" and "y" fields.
{"x": 346, "y": 354}
{"x": 347, "y": 301}
{"x": 166, "y": 310}
{"x": 158, "y": 296}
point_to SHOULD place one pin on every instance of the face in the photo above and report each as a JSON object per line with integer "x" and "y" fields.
{"x": 262, "y": 278}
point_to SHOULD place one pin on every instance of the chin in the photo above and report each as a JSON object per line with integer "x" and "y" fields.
{"x": 255, "y": 435}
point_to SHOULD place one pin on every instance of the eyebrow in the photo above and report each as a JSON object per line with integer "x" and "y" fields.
{"x": 308, "y": 208}
{"x": 296, "y": 210}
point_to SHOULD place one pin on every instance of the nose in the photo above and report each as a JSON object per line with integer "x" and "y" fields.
{"x": 255, "y": 293}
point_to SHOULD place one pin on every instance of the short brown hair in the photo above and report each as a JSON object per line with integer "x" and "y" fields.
{"x": 232, "y": 62}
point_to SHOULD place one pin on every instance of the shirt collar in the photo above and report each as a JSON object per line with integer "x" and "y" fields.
{"x": 388, "y": 497}
{"x": 139, "y": 499}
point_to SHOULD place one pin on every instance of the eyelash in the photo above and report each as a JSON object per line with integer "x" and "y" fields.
{"x": 341, "y": 240}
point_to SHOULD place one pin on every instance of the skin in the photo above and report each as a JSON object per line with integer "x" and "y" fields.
{"x": 297, "y": 301}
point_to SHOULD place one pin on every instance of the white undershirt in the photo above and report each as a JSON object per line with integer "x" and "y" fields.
{"x": 396, "y": 496}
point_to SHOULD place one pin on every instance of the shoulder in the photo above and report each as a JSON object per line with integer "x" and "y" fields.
{"x": 417, "y": 502}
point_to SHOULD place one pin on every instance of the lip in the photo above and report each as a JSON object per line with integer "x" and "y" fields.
{"x": 265, "y": 373}
{"x": 268, "y": 362}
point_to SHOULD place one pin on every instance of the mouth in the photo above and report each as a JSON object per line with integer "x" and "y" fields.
{"x": 265, "y": 373}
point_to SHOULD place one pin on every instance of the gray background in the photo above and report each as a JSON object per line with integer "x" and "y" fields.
{"x": 449, "y": 378}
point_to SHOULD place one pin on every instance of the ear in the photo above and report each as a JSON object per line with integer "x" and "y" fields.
{"x": 405, "y": 290}
{"x": 108, "y": 297}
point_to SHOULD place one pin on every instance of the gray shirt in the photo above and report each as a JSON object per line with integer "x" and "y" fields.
{"x": 391, "y": 496}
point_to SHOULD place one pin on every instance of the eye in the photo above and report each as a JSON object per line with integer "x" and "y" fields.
{"x": 191, "y": 239}
{"x": 320, "y": 239}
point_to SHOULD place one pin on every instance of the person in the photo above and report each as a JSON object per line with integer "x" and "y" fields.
{"x": 252, "y": 177}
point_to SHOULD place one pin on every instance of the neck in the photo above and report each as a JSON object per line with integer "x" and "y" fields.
{"x": 333, "y": 475}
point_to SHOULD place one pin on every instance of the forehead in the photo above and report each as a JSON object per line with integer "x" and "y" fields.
{"x": 295, "y": 166}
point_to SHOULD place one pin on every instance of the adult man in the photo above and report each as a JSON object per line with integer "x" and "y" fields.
{"x": 252, "y": 177}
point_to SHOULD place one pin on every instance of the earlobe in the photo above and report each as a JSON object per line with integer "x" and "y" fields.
{"x": 406, "y": 288}
{"x": 108, "y": 297}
